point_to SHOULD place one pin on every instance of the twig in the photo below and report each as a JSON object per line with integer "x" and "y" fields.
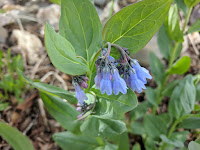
{"x": 42, "y": 111}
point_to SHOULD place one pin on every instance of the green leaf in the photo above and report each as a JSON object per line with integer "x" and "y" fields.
{"x": 128, "y": 99}
{"x": 137, "y": 128}
{"x": 154, "y": 126}
{"x": 62, "y": 53}
{"x": 194, "y": 27}
{"x": 97, "y": 126}
{"x": 3, "y": 106}
{"x": 55, "y": 1}
{"x": 157, "y": 68}
{"x": 194, "y": 146}
{"x": 136, "y": 147}
{"x": 111, "y": 109}
{"x": 182, "y": 99}
{"x": 69, "y": 141}
{"x": 177, "y": 139}
{"x": 181, "y": 66}
{"x": 62, "y": 111}
{"x": 15, "y": 138}
{"x": 170, "y": 88}
{"x": 123, "y": 141}
{"x": 81, "y": 26}
{"x": 181, "y": 5}
{"x": 190, "y": 123}
{"x": 191, "y": 3}
{"x": 140, "y": 110}
{"x": 150, "y": 144}
{"x": 164, "y": 42}
{"x": 172, "y": 24}
{"x": 51, "y": 90}
{"x": 151, "y": 95}
{"x": 198, "y": 92}
{"x": 134, "y": 25}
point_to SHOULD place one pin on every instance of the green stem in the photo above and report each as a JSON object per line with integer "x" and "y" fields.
{"x": 173, "y": 127}
{"x": 187, "y": 19}
{"x": 83, "y": 60}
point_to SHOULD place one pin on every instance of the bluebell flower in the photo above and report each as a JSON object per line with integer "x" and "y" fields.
{"x": 98, "y": 79}
{"x": 119, "y": 85}
{"x": 106, "y": 83}
{"x": 80, "y": 94}
{"x": 135, "y": 83}
{"x": 141, "y": 72}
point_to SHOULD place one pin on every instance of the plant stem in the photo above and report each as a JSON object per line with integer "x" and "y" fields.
{"x": 187, "y": 19}
{"x": 173, "y": 127}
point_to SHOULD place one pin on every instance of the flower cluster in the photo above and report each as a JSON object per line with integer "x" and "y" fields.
{"x": 109, "y": 71}
{"x": 83, "y": 108}
{"x": 108, "y": 79}
{"x": 78, "y": 82}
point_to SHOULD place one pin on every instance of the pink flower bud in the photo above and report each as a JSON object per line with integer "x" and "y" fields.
{"x": 84, "y": 85}
{"x": 78, "y": 108}
{"x": 86, "y": 79}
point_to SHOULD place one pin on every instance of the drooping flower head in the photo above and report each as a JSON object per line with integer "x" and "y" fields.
{"x": 78, "y": 82}
{"x": 109, "y": 71}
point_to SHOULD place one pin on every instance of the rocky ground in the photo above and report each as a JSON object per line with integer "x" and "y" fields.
{"x": 22, "y": 30}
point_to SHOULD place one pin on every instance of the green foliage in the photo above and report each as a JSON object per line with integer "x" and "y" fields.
{"x": 194, "y": 146}
{"x": 181, "y": 5}
{"x": 191, "y": 3}
{"x": 190, "y": 123}
{"x": 172, "y": 23}
{"x": 69, "y": 141}
{"x": 55, "y": 1}
{"x": 15, "y": 138}
{"x": 11, "y": 83}
{"x": 134, "y": 26}
{"x": 181, "y": 66}
{"x": 62, "y": 53}
{"x": 81, "y": 26}
{"x": 154, "y": 126}
{"x": 157, "y": 68}
{"x": 97, "y": 126}
{"x": 62, "y": 111}
{"x": 51, "y": 90}
{"x": 182, "y": 98}
{"x": 164, "y": 42}
{"x": 194, "y": 27}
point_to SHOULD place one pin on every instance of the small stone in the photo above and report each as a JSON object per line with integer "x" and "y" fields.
{"x": 50, "y": 14}
{"x": 5, "y": 20}
{"x": 100, "y": 2}
{"x": 29, "y": 43}
{"x": 3, "y": 35}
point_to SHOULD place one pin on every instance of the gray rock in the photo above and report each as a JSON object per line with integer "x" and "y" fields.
{"x": 3, "y": 35}
{"x": 29, "y": 43}
{"x": 50, "y": 14}
{"x": 6, "y": 20}
{"x": 100, "y": 2}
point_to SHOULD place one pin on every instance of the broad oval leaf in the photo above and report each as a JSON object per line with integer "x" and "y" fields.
{"x": 194, "y": 146}
{"x": 154, "y": 126}
{"x": 15, "y": 138}
{"x": 70, "y": 141}
{"x": 81, "y": 26}
{"x": 51, "y": 90}
{"x": 183, "y": 97}
{"x": 191, "y": 3}
{"x": 181, "y": 66}
{"x": 62, "y": 53}
{"x": 190, "y": 123}
{"x": 134, "y": 26}
{"x": 62, "y": 111}
{"x": 97, "y": 126}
